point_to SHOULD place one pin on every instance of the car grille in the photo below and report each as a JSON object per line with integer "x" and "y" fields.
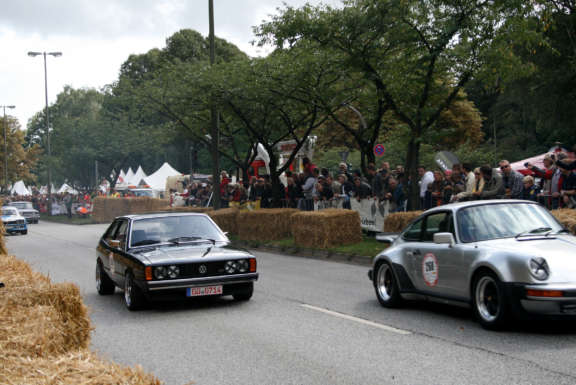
{"x": 192, "y": 270}
{"x": 12, "y": 223}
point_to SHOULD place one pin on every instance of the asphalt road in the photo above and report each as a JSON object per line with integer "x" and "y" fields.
{"x": 309, "y": 322}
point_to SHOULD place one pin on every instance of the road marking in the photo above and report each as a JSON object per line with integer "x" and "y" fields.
{"x": 356, "y": 319}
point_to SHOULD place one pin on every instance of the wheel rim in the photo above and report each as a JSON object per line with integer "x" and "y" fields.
{"x": 385, "y": 282}
{"x": 487, "y": 298}
{"x": 98, "y": 277}
{"x": 128, "y": 291}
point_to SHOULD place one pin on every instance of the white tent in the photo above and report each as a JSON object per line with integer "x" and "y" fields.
{"x": 129, "y": 176}
{"x": 66, "y": 188}
{"x": 157, "y": 180}
{"x": 44, "y": 189}
{"x": 19, "y": 188}
{"x": 138, "y": 177}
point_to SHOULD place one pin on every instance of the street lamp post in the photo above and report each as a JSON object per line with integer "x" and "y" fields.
{"x": 6, "y": 150}
{"x": 214, "y": 129}
{"x": 47, "y": 118}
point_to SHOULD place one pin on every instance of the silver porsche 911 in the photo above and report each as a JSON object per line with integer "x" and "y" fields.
{"x": 501, "y": 257}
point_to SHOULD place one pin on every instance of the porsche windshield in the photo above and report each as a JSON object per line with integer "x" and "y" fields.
{"x": 171, "y": 229}
{"x": 505, "y": 220}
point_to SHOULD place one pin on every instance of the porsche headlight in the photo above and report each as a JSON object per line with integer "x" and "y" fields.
{"x": 160, "y": 272}
{"x": 539, "y": 268}
{"x": 173, "y": 271}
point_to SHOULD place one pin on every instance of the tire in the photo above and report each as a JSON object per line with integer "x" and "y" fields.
{"x": 386, "y": 286}
{"x": 245, "y": 294}
{"x": 24, "y": 232}
{"x": 133, "y": 297}
{"x": 104, "y": 284}
{"x": 489, "y": 301}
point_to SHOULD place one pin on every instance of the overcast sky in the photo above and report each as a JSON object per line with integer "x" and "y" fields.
{"x": 96, "y": 37}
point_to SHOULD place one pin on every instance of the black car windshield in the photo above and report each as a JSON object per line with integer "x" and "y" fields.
{"x": 151, "y": 231}
{"x": 504, "y": 220}
{"x": 22, "y": 205}
{"x": 6, "y": 211}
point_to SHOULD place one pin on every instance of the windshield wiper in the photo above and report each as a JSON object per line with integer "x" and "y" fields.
{"x": 146, "y": 242}
{"x": 537, "y": 230}
{"x": 179, "y": 240}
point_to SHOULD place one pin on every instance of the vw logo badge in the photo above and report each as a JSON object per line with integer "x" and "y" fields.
{"x": 202, "y": 269}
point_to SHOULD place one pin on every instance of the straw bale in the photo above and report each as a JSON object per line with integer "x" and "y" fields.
{"x": 226, "y": 219}
{"x": 3, "y": 249}
{"x": 106, "y": 209}
{"x": 265, "y": 224}
{"x": 567, "y": 217}
{"x": 78, "y": 367}
{"x": 396, "y": 222}
{"x": 189, "y": 209}
{"x": 326, "y": 228}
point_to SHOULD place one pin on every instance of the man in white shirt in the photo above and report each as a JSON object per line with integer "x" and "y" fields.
{"x": 426, "y": 177}
{"x": 470, "y": 183}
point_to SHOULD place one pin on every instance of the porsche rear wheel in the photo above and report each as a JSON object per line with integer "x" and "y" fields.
{"x": 104, "y": 284}
{"x": 489, "y": 301}
{"x": 386, "y": 286}
{"x": 133, "y": 297}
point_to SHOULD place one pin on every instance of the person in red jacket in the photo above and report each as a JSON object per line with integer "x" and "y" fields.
{"x": 224, "y": 181}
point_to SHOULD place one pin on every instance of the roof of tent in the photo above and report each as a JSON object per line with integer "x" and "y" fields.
{"x": 129, "y": 175}
{"x": 537, "y": 161}
{"x": 157, "y": 180}
{"x": 19, "y": 188}
{"x": 138, "y": 177}
{"x": 66, "y": 188}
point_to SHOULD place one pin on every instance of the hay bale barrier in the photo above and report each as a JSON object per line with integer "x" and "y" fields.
{"x": 106, "y": 208}
{"x": 265, "y": 224}
{"x": 45, "y": 333}
{"x": 567, "y": 217}
{"x": 396, "y": 222}
{"x": 327, "y": 228}
{"x": 226, "y": 219}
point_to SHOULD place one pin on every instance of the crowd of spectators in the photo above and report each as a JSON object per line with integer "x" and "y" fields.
{"x": 62, "y": 203}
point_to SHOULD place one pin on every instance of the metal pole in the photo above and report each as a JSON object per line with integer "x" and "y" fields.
{"x": 214, "y": 129}
{"x": 5, "y": 155}
{"x": 48, "y": 138}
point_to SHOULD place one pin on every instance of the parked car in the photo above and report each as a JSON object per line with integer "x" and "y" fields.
{"x": 503, "y": 258}
{"x": 171, "y": 256}
{"x": 27, "y": 211}
{"x": 12, "y": 220}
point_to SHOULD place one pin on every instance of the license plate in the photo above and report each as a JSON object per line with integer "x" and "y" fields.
{"x": 204, "y": 290}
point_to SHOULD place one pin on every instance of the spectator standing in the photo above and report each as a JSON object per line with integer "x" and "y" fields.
{"x": 512, "y": 180}
{"x": 395, "y": 195}
{"x": 493, "y": 185}
{"x": 470, "y": 183}
{"x": 426, "y": 177}
{"x": 438, "y": 191}
{"x": 568, "y": 192}
{"x": 361, "y": 189}
{"x": 530, "y": 191}
{"x": 344, "y": 191}
{"x": 308, "y": 191}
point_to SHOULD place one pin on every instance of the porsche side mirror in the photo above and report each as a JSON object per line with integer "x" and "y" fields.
{"x": 115, "y": 243}
{"x": 386, "y": 238}
{"x": 444, "y": 239}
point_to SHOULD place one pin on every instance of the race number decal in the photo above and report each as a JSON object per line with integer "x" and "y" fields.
{"x": 430, "y": 269}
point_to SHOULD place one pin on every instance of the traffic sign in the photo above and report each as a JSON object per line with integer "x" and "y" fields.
{"x": 379, "y": 149}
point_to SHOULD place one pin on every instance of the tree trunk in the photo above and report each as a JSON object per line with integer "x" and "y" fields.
{"x": 412, "y": 160}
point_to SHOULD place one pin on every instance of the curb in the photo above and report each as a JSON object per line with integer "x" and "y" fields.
{"x": 295, "y": 251}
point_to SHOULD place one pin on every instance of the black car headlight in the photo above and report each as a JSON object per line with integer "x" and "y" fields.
{"x": 539, "y": 268}
{"x": 231, "y": 267}
{"x": 243, "y": 266}
{"x": 160, "y": 272}
{"x": 173, "y": 271}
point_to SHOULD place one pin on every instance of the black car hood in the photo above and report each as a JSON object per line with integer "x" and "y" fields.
{"x": 188, "y": 253}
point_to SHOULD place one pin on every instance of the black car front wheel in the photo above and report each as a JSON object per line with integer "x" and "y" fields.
{"x": 24, "y": 232}
{"x": 245, "y": 294}
{"x": 133, "y": 297}
{"x": 104, "y": 284}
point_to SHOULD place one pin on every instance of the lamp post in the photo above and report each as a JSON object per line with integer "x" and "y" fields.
{"x": 55, "y": 54}
{"x": 6, "y": 150}
{"x": 214, "y": 129}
